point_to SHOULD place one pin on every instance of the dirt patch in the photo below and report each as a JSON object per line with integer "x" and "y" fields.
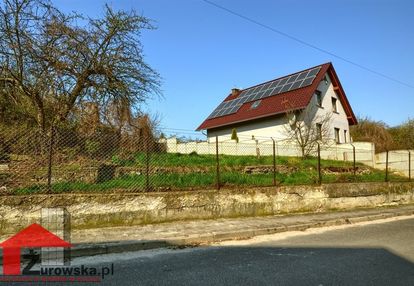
{"x": 346, "y": 170}
{"x": 266, "y": 169}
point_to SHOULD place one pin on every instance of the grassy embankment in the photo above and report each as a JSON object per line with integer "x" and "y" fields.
{"x": 179, "y": 171}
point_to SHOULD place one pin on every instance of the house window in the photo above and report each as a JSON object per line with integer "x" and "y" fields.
{"x": 345, "y": 136}
{"x": 319, "y": 131}
{"x": 337, "y": 135}
{"x": 318, "y": 98}
{"x": 334, "y": 106}
{"x": 325, "y": 79}
{"x": 255, "y": 104}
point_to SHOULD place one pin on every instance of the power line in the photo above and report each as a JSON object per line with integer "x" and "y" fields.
{"x": 306, "y": 43}
{"x": 177, "y": 131}
{"x": 181, "y": 131}
{"x": 169, "y": 128}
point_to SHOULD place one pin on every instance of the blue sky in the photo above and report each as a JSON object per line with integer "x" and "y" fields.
{"x": 202, "y": 52}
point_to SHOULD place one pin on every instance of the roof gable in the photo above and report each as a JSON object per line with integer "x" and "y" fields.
{"x": 342, "y": 96}
{"x": 274, "y": 102}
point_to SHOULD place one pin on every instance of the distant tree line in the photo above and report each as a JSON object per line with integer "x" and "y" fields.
{"x": 384, "y": 136}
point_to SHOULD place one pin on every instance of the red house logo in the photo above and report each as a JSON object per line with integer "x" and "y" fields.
{"x": 33, "y": 236}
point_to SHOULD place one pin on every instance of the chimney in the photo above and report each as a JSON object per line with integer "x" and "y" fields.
{"x": 235, "y": 92}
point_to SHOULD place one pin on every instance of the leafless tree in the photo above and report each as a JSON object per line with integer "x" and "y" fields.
{"x": 306, "y": 129}
{"x": 51, "y": 61}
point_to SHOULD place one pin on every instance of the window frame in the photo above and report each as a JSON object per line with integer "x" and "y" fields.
{"x": 319, "y": 130}
{"x": 318, "y": 94}
{"x": 337, "y": 135}
{"x": 334, "y": 101}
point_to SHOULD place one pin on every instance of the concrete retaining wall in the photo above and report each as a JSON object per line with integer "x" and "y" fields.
{"x": 398, "y": 161}
{"x": 100, "y": 210}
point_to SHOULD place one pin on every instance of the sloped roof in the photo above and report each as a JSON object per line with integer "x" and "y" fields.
{"x": 277, "y": 103}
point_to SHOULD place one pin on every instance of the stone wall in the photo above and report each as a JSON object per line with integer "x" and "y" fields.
{"x": 101, "y": 210}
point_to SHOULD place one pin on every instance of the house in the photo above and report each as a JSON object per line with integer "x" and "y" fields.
{"x": 261, "y": 111}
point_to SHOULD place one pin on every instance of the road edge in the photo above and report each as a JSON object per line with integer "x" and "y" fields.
{"x": 81, "y": 250}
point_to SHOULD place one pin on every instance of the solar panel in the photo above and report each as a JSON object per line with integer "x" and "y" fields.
{"x": 274, "y": 84}
{"x": 302, "y": 75}
{"x": 258, "y": 95}
{"x": 283, "y": 81}
{"x": 250, "y": 97}
{"x": 234, "y": 109}
{"x": 288, "y": 83}
{"x": 256, "y": 89}
{"x": 292, "y": 78}
{"x": 277, "y": 90}
{"x": 296, "y": 85}
{"x": 307, "y": 81}
{"x": 268, "y": 92}
{"x": 246, "y": 92}
{"x": 265, "y": 86}
{"x": 313, "y": 72}
{"x": 285, "y": 88}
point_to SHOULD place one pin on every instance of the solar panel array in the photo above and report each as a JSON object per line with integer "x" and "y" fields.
{"x": 281, "y": 85}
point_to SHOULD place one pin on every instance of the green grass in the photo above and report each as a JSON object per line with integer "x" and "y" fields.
{"x": 231, "y": 174}
{"x": 197, "y": 160}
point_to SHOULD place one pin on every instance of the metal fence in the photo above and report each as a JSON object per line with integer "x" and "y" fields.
{"x": 62, "y": 160}
{"x": 401, "y": 160}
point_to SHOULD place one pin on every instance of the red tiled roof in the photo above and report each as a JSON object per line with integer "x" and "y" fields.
{"x": 276, "y": 104}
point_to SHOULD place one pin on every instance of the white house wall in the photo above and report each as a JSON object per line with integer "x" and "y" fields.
{"x": 261, "y": 130}
{"x": 338, "y": 119}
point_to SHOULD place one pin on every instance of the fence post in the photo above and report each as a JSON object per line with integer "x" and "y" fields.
{"x": 386, "y": 166}
{"x": 274, "y": 162}
{"x": 50, "y": 159}
{"x": 319, "y": 165}
{"x": 354, "y": 158}
{"x": 217, "y": 166}
{"x": 147, "y": 165}
{"x": 409, "y": 166}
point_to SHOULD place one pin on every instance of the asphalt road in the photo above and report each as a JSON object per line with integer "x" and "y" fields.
{"x": 374, "y": 254}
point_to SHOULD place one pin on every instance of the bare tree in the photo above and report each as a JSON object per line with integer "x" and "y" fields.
{"x": 118, "y": 115}
{"x": 306, "y": 129}
{"x": 50, "y": 61}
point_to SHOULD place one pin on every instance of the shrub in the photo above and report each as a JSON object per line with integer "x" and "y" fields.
{"x": 91, "y": 147}
{"x": 234, "y": 135}
{"x": 373, "y": 131}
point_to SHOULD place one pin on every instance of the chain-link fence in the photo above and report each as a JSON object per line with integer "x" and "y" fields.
{"x": 105, "y": 159}
{"x": 400, "y": 161}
